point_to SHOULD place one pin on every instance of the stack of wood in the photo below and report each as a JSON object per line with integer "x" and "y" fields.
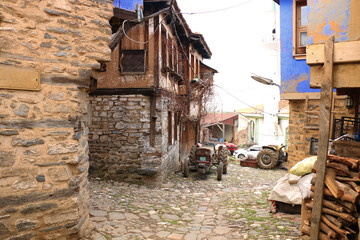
{"x": 340, "y": 215}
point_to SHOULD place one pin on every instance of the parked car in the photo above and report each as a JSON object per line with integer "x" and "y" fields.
{"x": 231, "y": 147}
{"x": 251, "y": 152}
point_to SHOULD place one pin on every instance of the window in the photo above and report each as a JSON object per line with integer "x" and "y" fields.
{"x": 132, "y": 61}
{"x": 300, "y": 28}
{"x": 176, "y": 116}
{"x": 163, "y": 47}
{"x": 193, "y": 66}
{"x": 170, "y": 128}
{"x": 176, "y": 57}
{"x": 170, "y": 54}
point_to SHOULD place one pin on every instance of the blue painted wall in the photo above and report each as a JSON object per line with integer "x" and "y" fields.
{"x": 295, "y": 74}
{"x": 128, "y": 4}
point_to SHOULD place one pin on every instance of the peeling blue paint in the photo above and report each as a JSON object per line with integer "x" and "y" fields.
{"x": 328, "y": 17}
{"x": 311, "y": 40}
{"x": 327, "y": 29}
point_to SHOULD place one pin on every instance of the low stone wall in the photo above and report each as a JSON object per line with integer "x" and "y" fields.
{"x": 120, "y": 139}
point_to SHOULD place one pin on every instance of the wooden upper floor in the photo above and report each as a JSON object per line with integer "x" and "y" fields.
{"x": 159, "y": 52}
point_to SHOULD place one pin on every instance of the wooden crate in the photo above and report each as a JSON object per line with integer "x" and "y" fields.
{"x": 248, "y": 163}
{"x": 347, "y": 148}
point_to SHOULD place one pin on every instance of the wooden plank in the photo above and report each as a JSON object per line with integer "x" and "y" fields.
{"x": 325, "y": 112}
{"x": 19, "y": 78}
{"x": 311, "y": 127}
{"x": 331, "y": 183}
{"x": 346, "y": 75}
{"x": 136, "y": 33}
{"x": 156, "y": 69}
{"x": 299, "y": 96}
{"x": 344, "y": 52}
{"x": 116, "y": 38}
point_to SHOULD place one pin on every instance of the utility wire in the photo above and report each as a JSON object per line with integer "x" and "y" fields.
{"x": 192, "y": 69}
{"x": 243, "y": 101}
{"x": 216, "y": 10}
{"x": 178, "y": 38}
{"x": 150, "y": 38}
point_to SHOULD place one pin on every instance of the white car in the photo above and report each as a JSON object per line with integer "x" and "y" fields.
{"x": 251, "y": 152}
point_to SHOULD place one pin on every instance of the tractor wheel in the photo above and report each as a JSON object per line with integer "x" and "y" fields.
{"x": 192, "y": 154}
{"x": 186, "y": 168}
{"x": 220, "y": 171}
{"x": 224, "y": 159}
{"x": 267, "y": 159}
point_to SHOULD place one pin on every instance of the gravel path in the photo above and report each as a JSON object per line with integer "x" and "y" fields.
{"x": 195, "y": 208}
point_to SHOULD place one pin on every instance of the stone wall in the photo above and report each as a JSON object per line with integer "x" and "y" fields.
{"x": 43, "y": 134}
{"x": 300, "y": 130}
{"x": 120, "y": 139}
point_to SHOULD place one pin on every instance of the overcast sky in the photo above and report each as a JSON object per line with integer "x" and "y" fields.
{"x": 235, "y": 37}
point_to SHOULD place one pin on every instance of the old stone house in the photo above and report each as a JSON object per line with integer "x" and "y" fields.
{"x": 48, "y": 51}
{"x": 146, "y": 102}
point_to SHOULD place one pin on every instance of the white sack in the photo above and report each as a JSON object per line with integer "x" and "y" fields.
{"x": 285, "y": 192}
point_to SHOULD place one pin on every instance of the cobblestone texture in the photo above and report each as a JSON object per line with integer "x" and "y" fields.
{"x": 198, "y": 207}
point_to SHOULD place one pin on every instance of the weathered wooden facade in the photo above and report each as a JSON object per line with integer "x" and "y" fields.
{"x": 146, "y": 103}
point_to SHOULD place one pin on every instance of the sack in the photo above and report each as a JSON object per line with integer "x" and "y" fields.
{"x": 303, "y": 167}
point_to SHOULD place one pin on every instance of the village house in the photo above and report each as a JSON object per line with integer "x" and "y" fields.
{"x": 230, "y": 127}
{"x": 147, "y": 102}
{"x": 255, "y": 119}
{"x": 301, "y": 28}
{"x": 320, "y": 77}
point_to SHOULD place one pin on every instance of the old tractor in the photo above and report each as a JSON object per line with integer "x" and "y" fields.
{"x": 204, "y": 156}
{"x": 271, "y": 155}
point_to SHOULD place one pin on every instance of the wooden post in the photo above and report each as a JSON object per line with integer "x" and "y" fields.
{"x": 223, "y": 132}
{"x": 156, "y": 44}
{"x": 325, "y": 114}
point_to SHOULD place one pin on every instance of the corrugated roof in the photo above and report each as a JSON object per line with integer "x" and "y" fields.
{"x": 258, "y": 109}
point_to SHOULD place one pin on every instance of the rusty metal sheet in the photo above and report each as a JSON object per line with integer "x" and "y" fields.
{"x": 19, "y": 78}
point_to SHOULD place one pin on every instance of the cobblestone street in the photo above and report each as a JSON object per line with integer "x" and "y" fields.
{"x": 197, "y": 207}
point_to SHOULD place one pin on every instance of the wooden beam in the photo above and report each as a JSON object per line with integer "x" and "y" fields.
{"x": 346, "y": 75}
{"x": 300, "y": 96}
{"x": 123, "y": 91}
{"x": 116, "y": 38}
{"x": 124, "y": 14}
{"x": 344, "y": 52}
{"x": 325, "y": 112}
